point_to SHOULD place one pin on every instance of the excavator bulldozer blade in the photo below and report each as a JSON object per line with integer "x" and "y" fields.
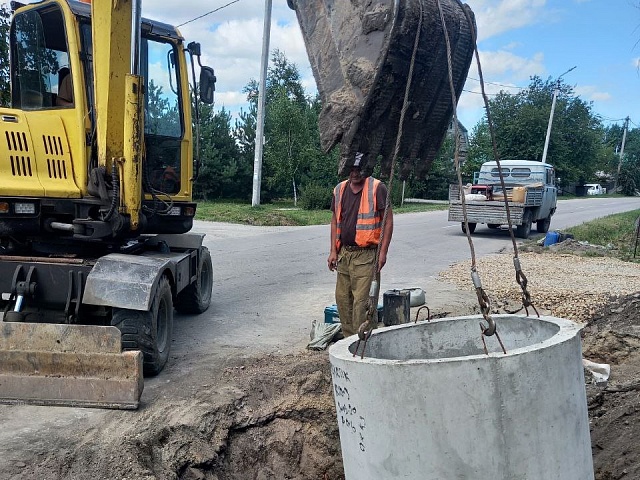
{"x": 361, "y": 54}
{"x": 71, "y": 365}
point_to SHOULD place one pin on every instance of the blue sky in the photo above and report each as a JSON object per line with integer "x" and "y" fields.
{"x": 547, "y": 38}
{"x": 517, "y": 39}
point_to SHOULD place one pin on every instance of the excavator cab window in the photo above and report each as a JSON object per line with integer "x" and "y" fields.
{"x": 162, "y": 109}
{"x": 39, "y": 51}
{"x": 163, "y": 116}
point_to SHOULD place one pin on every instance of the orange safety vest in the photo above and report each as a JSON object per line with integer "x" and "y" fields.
{"x": 369, "y": 222}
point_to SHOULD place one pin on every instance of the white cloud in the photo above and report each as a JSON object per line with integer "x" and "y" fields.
{"x": 592, "y": 93}
{"x": 232, "y": 40}
{"x": 496, "y": 17}
{"x": 501, "y": 64}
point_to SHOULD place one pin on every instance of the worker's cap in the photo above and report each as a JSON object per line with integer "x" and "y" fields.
{"x": 358, "y": 160}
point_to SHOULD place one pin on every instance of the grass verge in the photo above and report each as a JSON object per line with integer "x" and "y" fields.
{"x": 283, "y": 213}
{"x": 617, "y": 232}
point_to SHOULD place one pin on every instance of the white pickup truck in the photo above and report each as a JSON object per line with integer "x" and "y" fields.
{"x": 530, "y": 189}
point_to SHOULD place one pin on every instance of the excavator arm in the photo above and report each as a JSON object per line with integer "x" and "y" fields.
{"x": 119, "y": 99}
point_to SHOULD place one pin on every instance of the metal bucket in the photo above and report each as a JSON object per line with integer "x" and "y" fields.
{"x": 427, "y": 403}
{"x": 396, "y": 307}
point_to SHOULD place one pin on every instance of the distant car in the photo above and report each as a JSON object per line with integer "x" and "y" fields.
{"x": 594, "y": 189}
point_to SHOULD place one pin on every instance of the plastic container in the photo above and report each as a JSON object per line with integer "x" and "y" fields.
{"x": 417, "y": 296}
{"x": 331, "y": 314}
{"x": 519, "y": 194}
{"x": 551, "y": 238}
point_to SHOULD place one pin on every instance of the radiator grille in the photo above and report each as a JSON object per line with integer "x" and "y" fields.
{"x": 21, "y": 166}
{"x": 18, "y": 146}
{"x": 17, "y": 141}
{"x": 56, "y": 167}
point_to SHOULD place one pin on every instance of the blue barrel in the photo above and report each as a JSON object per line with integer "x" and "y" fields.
{"x": 551, "y": 238}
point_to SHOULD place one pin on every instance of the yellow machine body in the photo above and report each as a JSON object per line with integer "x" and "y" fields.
{"x": 96, "y": 155}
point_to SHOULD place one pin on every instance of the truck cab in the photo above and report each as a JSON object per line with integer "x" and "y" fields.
{"x": 529, "y": 188}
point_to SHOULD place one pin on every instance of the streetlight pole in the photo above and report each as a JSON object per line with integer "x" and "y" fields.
{"x": 624, "y": 138}
{"x": 553, "y": 108}
{"x": 257, "y": 159}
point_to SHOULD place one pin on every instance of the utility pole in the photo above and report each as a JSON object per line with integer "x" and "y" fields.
{"x": 624, "y": 139}
{"x": 257, "y": 160}
{"x": 556, "y": 92}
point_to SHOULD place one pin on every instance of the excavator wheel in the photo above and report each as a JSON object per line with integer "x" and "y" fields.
{"x": 149, "y": 331}
{"x": 196, "y": 297}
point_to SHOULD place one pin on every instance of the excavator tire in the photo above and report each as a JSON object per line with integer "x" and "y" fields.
{"x": 196, "y": 297}
{"x": 151, "y": 331}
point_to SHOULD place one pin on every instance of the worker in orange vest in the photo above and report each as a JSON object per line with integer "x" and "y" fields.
{"x": 358, "y": 206}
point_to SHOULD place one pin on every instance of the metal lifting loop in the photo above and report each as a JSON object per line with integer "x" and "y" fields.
{"x": 364, "y": 332}
{"x": 485, "y": 305}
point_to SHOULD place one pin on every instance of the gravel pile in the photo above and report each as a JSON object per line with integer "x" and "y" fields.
{"x": 560, "y": 284}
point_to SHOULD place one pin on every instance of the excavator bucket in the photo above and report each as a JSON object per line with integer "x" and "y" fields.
{"x": 71, "y": 365}
{"x": 361, "y": 55}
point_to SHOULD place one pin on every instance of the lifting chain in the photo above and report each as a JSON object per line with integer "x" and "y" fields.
{"x": 521, "y": 278}
{"x": 483, "y": 299}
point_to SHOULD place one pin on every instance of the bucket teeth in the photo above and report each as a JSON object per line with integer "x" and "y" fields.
{"x": 71, "y": 365}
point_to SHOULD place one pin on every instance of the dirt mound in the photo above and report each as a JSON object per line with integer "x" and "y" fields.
{"x": 613, "y": 336}
{"x": 262, "y": 418}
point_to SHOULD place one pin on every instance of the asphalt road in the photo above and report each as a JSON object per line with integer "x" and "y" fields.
{"x": 271, "y": 282}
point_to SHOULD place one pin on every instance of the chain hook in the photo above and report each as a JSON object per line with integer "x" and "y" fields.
{"x": 521, "y": 278}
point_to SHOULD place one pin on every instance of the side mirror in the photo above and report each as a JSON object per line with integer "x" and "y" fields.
{"x": 207, "y": 85}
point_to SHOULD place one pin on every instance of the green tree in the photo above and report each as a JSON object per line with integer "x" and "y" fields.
{"x": 436, "y": 183}
{"x": 5, "y": 91}
{"x": 520, "y": 124}
{"x": 292, "y": 155}
{"x": 629, "y": 179}
{"x": 161, "y": 117}
{"x": 223, "y": 173}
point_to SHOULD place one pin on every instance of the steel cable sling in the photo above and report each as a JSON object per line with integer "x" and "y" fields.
{"x": 365, "y": 330}
{"x": 483, "y": 299}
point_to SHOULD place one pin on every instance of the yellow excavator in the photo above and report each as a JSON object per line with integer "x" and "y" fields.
{"x": 97, "y": 171}
{"x": 97, "y": 177}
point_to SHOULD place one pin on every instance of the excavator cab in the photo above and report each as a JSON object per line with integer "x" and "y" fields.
{"x": 52, "y": 132}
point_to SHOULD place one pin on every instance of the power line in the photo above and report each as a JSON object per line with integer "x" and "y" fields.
{"x": 480, "y": 93}
{"x": 499, "y": 84}
{"x": 208, "y": 13}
